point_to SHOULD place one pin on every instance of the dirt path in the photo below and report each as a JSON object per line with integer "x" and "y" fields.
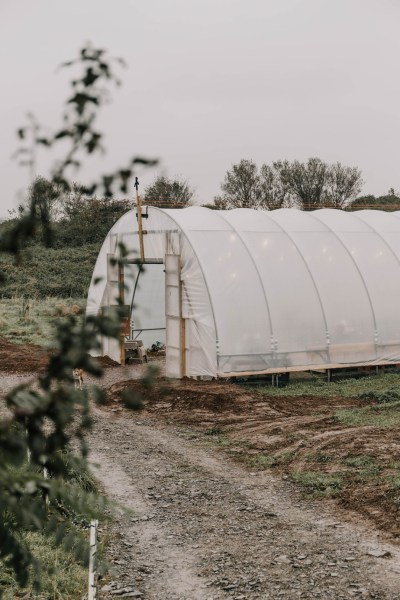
{"x": 205, "y": 528}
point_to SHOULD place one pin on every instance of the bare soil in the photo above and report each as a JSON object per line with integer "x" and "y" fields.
{"x": 29, "y": 358}
{"x": 295, "y": 434}
{"x": 208, "y": 523}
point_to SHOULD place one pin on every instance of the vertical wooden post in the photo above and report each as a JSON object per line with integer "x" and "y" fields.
{"x": 92, "y": 560}
{"x": 182, "y": 322}
{"x": 183, "y": 347}
{"x": 140, "y": 224}
{"x": 121, "y": 296}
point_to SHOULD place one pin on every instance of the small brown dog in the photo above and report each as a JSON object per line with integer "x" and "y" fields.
{"x": 78, "y": 378}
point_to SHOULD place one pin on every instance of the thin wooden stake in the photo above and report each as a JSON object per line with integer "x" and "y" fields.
{"x": 92, "y": 559}
{"x": 140, "y": 224}
{"x": 121, "y": 296}
{"x": 46, "y": 494}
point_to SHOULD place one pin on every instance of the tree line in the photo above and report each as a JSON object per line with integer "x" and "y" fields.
{"x": 305, "y": 185}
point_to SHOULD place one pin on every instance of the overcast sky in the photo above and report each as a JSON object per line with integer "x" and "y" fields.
{"x": 210, "y": 82}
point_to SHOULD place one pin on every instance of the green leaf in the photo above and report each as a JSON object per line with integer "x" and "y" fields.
{"x": 62, "y": 133}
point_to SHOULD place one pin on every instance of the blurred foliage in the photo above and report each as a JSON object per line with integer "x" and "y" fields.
{"x": 41, "y": 491}
{"x": 79, "y": 133}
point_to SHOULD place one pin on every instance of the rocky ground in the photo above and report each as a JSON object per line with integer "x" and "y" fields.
{"x": 204, "y": 528}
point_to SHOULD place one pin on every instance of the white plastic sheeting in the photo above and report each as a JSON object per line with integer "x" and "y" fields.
{"x": 267, "y": 291}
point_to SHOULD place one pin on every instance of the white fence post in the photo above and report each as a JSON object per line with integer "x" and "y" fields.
{"x": 92, "y": 559}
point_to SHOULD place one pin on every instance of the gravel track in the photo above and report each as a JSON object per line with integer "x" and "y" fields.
{"x": 204, "y": 528}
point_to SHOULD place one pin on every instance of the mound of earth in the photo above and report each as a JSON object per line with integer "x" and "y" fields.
{"x": 105, "y": 362}
{"x": 187, "y": 398}
{"x": 21, "y": 358}
{"x": 30, "y": 358}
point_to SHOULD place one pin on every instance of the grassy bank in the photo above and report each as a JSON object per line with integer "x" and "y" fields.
{"x": 43, "y": 272}
{"x": 25, "y": 320}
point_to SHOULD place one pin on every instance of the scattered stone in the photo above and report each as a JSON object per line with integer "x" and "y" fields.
{"x": 124, "y": 591}
{"x": 379, "y": 553}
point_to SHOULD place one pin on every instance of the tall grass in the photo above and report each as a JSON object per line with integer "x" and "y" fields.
{"x": 62, "y": 577}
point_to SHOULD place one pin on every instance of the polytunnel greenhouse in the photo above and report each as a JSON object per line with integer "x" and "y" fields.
{"x": 241, "y": 292}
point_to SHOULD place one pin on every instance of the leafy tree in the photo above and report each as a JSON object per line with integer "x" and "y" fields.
{"x": 47, "y": 416}
{"x": 245, "y": 186}
{"x": 241, "y": 186}
{"x": 164, "y": 191}
{"x": 342, "y": 185}
{"x": 305, "y": 181}
{"x": 274, "y": 192}
{"x": 315, "y": 184}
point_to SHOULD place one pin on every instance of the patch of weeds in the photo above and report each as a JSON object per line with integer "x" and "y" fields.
{"x": 370, "y": 472}
{"x": 394, "y": 465}
{"x": 395, "y": 483}
{"x": 293, "y": 437}
{"x": 311, "y": 385}
{"x": 359, "y": 461}
{"x": 213, "y": 431}
{"x": 319, "y": 484}
{"x": 319, "y": 457}
{"x": 385, "y": 397}
{"x": 266, "y": 461}
{"x": 222, "y": 440}
{"x": 379, "y": 415}
{"x": 263, "y": 461}
{"x": 365, "y": 467}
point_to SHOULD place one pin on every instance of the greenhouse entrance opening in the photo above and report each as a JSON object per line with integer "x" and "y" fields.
{"x": 147, "y": 308}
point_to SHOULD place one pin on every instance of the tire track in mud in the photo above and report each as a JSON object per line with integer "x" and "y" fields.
{"x": 206, "y": 528}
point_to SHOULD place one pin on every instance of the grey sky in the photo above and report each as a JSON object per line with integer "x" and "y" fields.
{"x": 213, "y": 81}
